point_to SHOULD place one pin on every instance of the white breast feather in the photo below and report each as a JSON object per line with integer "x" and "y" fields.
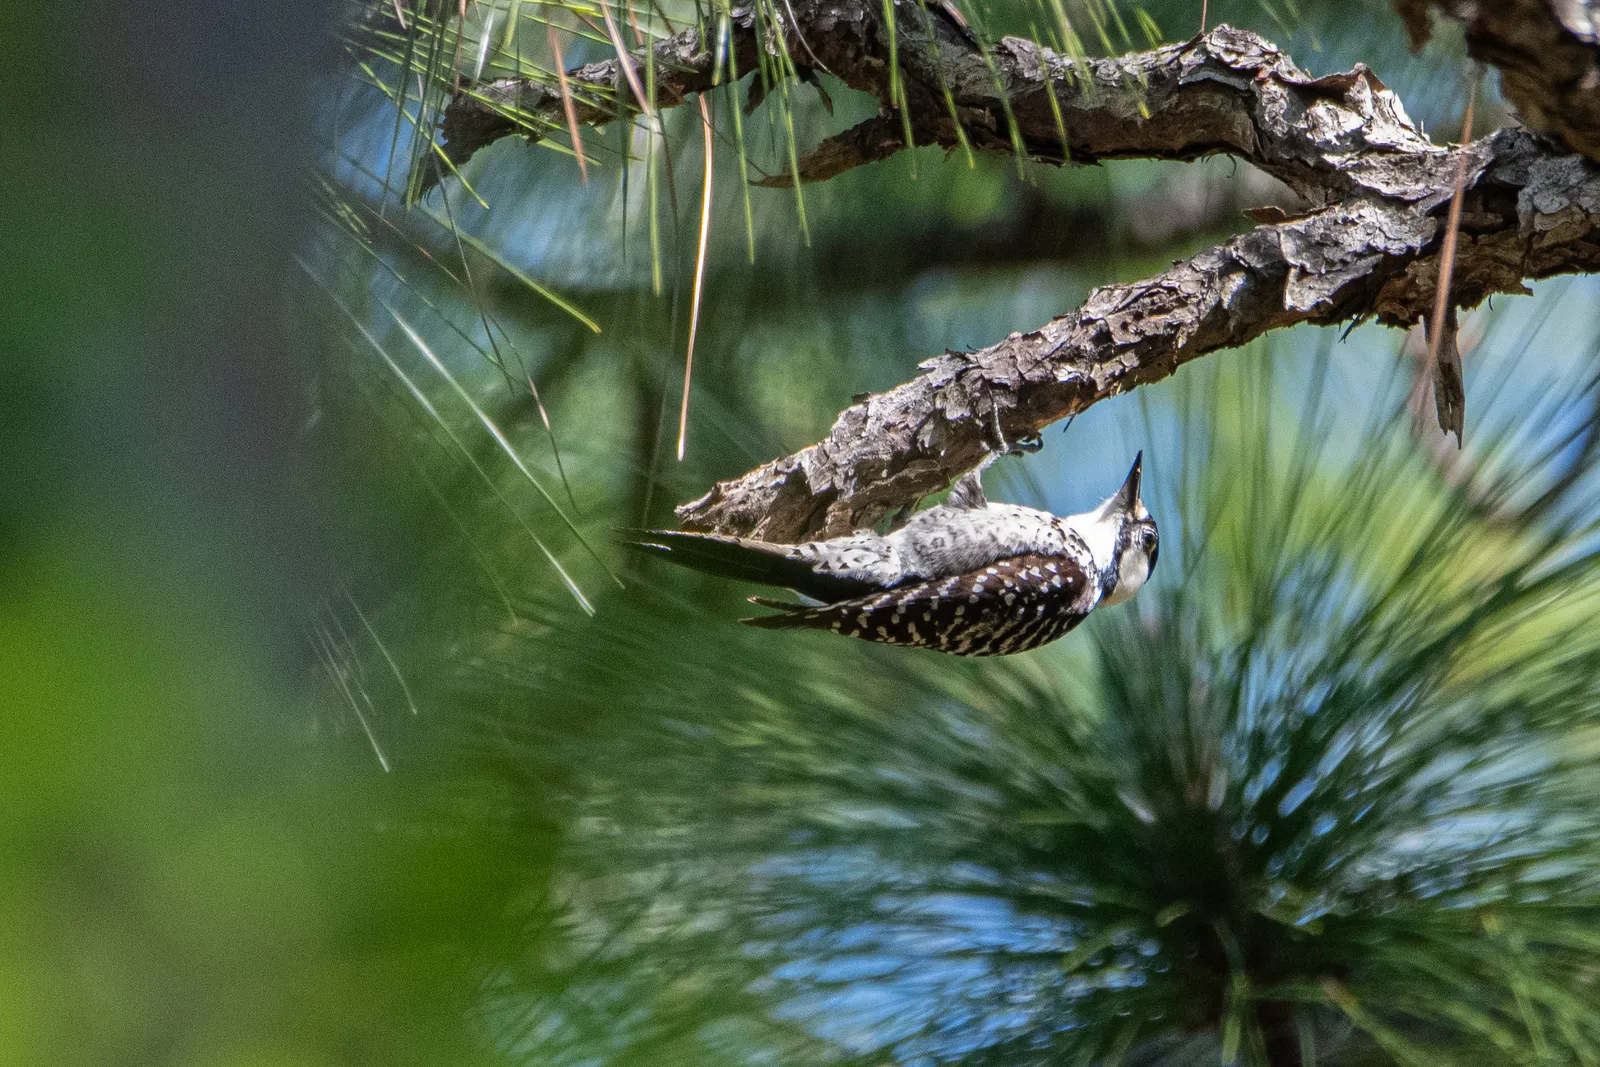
{"x": 1134, "y": 568}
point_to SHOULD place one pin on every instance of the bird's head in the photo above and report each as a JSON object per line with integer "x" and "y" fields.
{"x": 1128, "y": 536}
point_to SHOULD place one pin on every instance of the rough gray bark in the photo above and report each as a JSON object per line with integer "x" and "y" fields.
{"x": 1172, "y": 103}
{"x": 1548, "y": 52}
{"x": 1368, "y": 248}
{"x": 1528, "y": 215}
{"x": 1369, "y": 251}
{"x": 481, "y": 114}
{"x": 837, "y": 37}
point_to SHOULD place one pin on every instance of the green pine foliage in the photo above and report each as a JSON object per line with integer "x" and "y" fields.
{"x": 1326, "y": 796}
{"x": 1324, "y": 793}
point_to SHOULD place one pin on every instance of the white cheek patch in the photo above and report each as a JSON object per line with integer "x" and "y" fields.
{"x": 1131, "y": 574}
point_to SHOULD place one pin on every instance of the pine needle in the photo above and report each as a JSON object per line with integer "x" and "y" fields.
{"x": 699, "y": 277}
{"x": 544, "y": 417}
{"x": 438, "y": 419}
{"x": 394, "y": 668}
{"x": 1450, "y": 415}
{"x": 794, "y": 164}
{"x": 625, "y": 58}
{"x": 731, "y": 88}
{"x": 566, "y": 103}
{"x": 633, "y": 21}
{"x": 455, "y": 62}
{"x": 505, "y": 446}
{"x": 897, "y": 88}
{"x": 322, "y": 642}
{"x": 512, "y": 15}
{"x": 522, "y": 278}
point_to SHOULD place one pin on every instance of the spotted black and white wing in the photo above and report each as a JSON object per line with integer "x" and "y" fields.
{"x": 1013, "y": 605}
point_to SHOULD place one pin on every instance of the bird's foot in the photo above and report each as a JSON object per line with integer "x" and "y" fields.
{"x": 1024, "y": 445}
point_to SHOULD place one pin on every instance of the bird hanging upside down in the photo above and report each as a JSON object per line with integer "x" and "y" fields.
{"x": 966, "y": 577}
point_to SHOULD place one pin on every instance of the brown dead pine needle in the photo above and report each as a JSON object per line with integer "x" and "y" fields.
{"x": 1441, "y": 322}
{"x": 699, "y": 277}
{"x": 626, "y": 59}
{"x": 566, "y": 103}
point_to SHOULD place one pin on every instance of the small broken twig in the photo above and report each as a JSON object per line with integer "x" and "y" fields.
{"x": 1444, "y": 355}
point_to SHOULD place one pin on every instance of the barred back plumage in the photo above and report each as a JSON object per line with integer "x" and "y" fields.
{"x": 1013, "y": 605}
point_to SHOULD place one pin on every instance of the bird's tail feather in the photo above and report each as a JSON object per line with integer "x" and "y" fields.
{"x": 745, "y": 559}
{"x": 792, "y": 617}
{"x": 782, "y": 605}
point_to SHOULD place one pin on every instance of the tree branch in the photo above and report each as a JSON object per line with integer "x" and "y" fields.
{"x": 1369, "y": 249}
{"x": 1528, "y": 214}
{"x": 478, "y": 115}
{"x": 839, "y": 37}
{"x": 1548, "y": 52}
{"x": 1228, "y": 91}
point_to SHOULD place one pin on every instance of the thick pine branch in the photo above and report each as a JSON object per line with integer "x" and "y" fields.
{"x": 1371, "y": 252}
{"x": 1225, "y": 92}
{"x": 1368, "y": 249}
{"x": 1228, "y": 91}
{"x": 1528, "y": 215}
{"x": 837, "y": 36}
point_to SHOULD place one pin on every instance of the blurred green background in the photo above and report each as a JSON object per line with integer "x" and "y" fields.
{"x": 337, "y": 730}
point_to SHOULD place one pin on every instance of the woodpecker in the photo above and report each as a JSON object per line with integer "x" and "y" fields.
{"x": 965, "y": 577}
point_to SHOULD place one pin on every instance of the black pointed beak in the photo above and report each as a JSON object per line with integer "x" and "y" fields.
{"x": 1127, "y": 497}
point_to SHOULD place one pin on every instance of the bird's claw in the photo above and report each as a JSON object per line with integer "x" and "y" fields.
{"x": 1027, "y": 443}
